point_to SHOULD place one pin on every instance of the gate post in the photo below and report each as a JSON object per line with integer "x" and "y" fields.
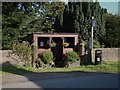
{"x": 81, "y": 53}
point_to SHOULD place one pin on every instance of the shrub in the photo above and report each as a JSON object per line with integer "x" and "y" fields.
{"x": 47, "y": 57}
{"x": 72, "y": 56}
{"x": 22, "y": 52}
{"x": 96, "y": 44}
{"x": 39, "y": 63}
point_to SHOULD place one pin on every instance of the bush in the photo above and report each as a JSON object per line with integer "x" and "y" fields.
{"x": 39, "y": 63}
{"x": 72, "y": 56}
{"x": 22, "y": 53}
{"x": 96, "y": 44}
{"x": 47, "y": 57}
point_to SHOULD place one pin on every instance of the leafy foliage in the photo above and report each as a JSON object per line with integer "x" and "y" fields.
{"x": 112, "y": 37}
{"x": 22, "y": 18}
{"x": 47, "y": 57}
{"x": 77, "y": 17}
{"x": 71, "y": 56}
{"x": 39, "y": 62}
{"x": 96, "y": 44}
{"x": 23, "y": 52}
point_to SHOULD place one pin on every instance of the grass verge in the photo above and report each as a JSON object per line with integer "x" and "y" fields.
{"x": 109, "y": 67}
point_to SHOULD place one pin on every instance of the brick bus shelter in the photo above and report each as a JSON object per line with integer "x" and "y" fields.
{"x": 58, "y": 43}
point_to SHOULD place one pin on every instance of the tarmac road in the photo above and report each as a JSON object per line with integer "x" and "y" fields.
{"x": 62, "y": 80}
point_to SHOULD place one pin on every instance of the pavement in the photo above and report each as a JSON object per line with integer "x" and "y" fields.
{"x": 61, "y": 80}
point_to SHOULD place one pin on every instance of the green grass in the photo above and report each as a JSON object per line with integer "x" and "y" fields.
{"x": 110, "y": 67}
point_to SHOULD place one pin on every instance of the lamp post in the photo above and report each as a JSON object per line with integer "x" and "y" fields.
{"x": 91, "y": 39}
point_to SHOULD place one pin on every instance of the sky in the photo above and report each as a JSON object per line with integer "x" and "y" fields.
{"x": 110, "y": 5}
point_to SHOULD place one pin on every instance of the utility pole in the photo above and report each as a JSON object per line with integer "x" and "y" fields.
{"x": 91, "y": 39}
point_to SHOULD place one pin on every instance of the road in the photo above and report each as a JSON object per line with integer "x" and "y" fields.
{"x": 66, "y": 80}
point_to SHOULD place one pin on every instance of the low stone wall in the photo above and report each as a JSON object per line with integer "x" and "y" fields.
{"x": 4, "y": 57}
{"x": 109, "y": 53}
{"x": 75, "y": 64}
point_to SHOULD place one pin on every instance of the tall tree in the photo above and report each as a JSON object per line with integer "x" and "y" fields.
{"x": 81, "y": 15}
{"x": 51, "y": 11}
{"x": 23, "y": 18}
{"x": 112, "y": 31}
{"x": 58, "y": 24}
{"x": 66, "y": 19}
{"x": 13, "y": 14}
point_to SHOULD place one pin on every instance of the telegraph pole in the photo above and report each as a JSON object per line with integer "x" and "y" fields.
{"x": 91, "y": 39}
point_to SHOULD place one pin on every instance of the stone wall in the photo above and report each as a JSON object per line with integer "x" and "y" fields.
{"x": 109, "y": 53}
{"x": 4, "y": 57}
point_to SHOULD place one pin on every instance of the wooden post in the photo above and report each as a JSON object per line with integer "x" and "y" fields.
{"x": 34, "y": 54}
{"x": 81, "y": 49}
{"x": 62, "y": 43}
{"x": 50, "y": 40}
{"x": 81, "y": 53}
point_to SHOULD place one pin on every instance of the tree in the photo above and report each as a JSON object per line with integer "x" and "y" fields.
{"x": 51, "y": 11}
{"x": 13, "y": 15}
{"x": 22, "y": 18}
{"x": 99, "y": 14}
{"x": 76, "y": 21}
{"x": 22, "y": 53}
{"x": 58, "y": 24}
{"x": 77, "y": 17}
{"x": 112, "y": 31}
{"x": 66, "y": 19}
